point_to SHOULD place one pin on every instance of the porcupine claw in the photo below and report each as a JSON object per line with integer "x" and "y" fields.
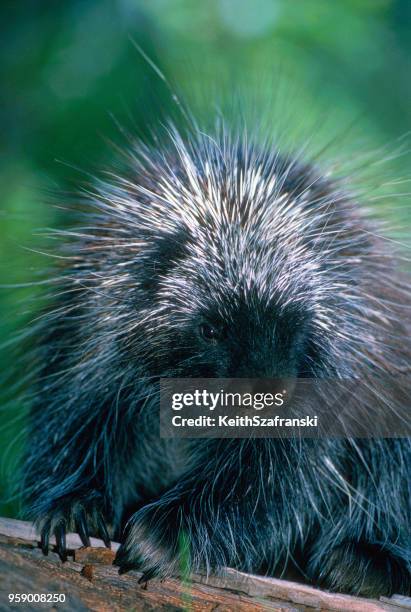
{"x": 45, "y": 538}
{"x": 80, "y": 513}
{"x": 148, "y": 575}
{"x": 102, "y": 531}
{"x": 60, "y": 533}
{"x": 123, "y": 562}
{"x": 81, "y": 526}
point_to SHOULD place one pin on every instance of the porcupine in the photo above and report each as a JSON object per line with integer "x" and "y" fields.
{"x": 217, "y": 257}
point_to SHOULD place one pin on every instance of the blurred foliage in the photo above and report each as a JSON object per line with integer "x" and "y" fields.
{"x": 70, "y": 73}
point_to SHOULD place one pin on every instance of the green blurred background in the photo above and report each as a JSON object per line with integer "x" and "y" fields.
{"x": 70, "y": 74}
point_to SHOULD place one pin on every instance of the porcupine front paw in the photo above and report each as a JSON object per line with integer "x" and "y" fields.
{"x": 364, "y": 569}
{"x": 80, "y": 513}
{"x": 155, "y": 542}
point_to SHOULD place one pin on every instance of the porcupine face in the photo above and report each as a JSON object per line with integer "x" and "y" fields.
{"x": 239, "y": 283}
{"x": 220, "y": 322}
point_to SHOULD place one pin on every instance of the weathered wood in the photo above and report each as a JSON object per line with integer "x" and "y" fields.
{"x": 90, "y": 582}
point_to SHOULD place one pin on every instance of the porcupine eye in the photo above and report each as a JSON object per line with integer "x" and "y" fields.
{"x": 211, "y": 333}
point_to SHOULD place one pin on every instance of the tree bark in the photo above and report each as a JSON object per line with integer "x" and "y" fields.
{"x": 89, "y": 581}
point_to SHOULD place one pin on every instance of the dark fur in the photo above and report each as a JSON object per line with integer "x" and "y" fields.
{"x": 339, "y": 511}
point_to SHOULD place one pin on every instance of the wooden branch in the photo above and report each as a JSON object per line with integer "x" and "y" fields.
{"x": 89, "y": 581}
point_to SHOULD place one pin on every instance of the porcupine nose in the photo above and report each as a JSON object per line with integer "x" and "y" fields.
{"x": 281, "y": 385}
{"x": 272, "y": 385}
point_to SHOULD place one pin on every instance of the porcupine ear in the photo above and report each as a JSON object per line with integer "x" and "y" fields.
{"x": 165, "y": 252}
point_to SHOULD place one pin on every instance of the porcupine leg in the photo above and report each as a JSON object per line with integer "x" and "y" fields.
{"x": 215, "y": 516}
{"x": 365, "y": 549}
{"x": 64, "y": 486}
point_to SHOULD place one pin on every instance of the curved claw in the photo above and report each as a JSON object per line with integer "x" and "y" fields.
{"x": 81, "y": 526}
{"x": 77, "y": 511}
{"x": 148, "y": 575}
{"x": 122, "y": 561}
{"x": 102, "y": 531}
{"x": 124, "y": 569}
{"x": 45, "y": 538}
{"x": 60, "y": 533}
{"x": 118, "y": 558}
